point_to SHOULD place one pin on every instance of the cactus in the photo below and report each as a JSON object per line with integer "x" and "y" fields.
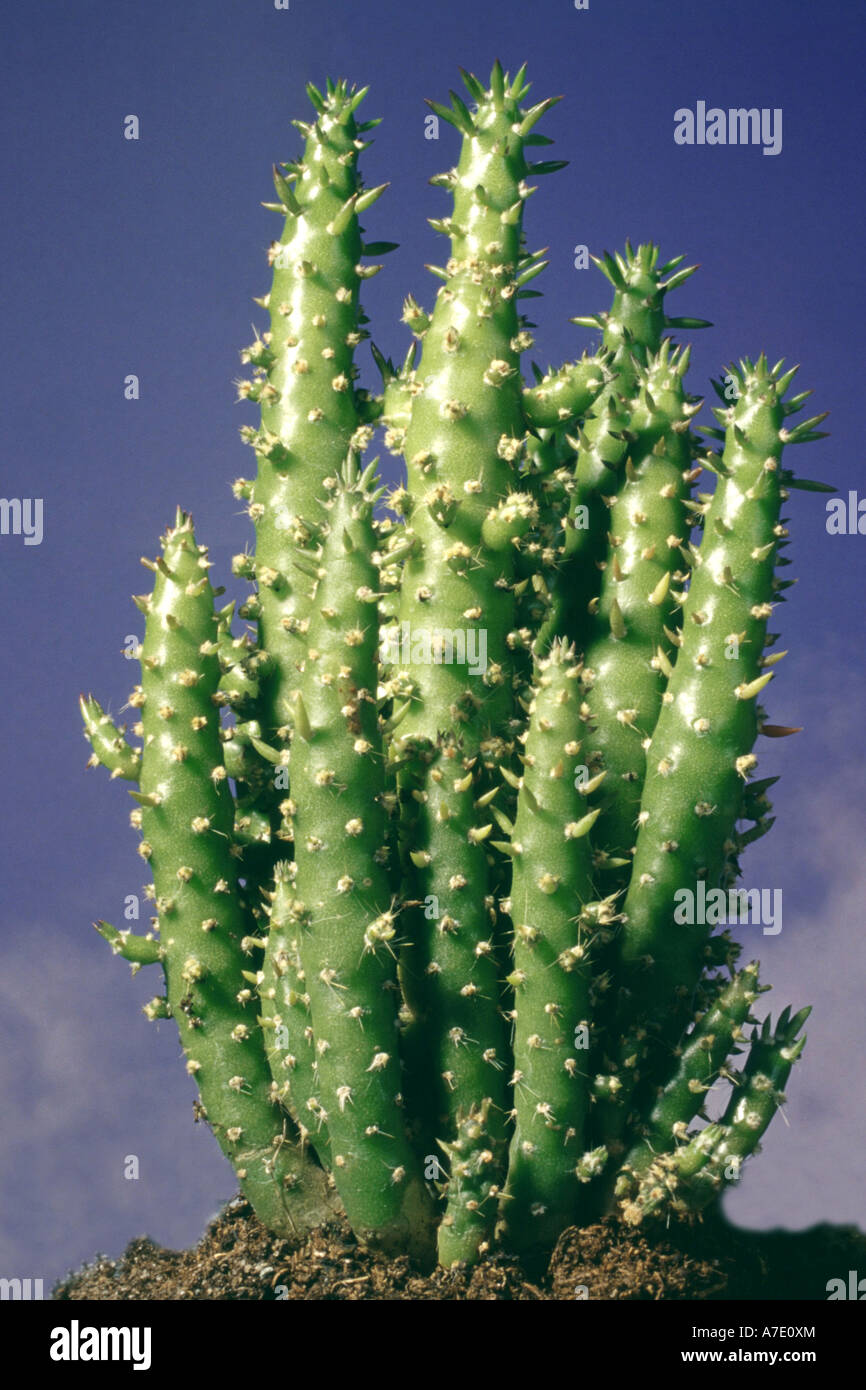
{"x": 419, "y": 811}
{"x": 185, "y": 815}
{"x": 628, "y": 651}
{"x": 552, "y": 912}
{"x": 345, "y": 912}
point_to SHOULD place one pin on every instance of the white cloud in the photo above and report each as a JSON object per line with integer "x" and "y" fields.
{"x": 87, "y": 1080}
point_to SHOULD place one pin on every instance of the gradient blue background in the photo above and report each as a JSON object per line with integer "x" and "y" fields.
{"x": 123, "y": 257}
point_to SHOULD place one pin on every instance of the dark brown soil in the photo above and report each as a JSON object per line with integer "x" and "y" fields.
{"x": 238, "y": 1259}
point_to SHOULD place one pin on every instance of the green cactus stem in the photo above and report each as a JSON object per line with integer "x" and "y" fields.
{"x": 242, "y": 666}
{"x": 562, "y": 397}
{"x": 305, "y": 376}
{"x": 466, "y": 413}
{"x": 694, "y": 1175}
{"x": 467, "y": 406}
{"x": 110, "y": 748}
{"x": 699, "y": 1064}
{"x": 632, "y": 331}
{"x": 701, "y": 755}
{"x": 185, "y": 814}
{"x": 759, "y": 1091}
{"x": 473, "y": 1189}
{"x": 701, "y": 750}
{"x": 551, "y": 891}
{"x": 629, "y": 654}
{"x": 287, "y": 1016}
{"x": 346, "y": 912}
{"x": 456, "y": 1038}
{"x": 558, "y": 400}
{"x": 665, "y": 1185}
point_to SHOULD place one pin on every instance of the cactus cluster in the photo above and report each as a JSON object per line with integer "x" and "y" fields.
{"x": 417, "y": 810}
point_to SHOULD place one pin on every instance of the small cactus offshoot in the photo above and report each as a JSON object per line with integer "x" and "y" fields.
{"x": 419, "y": 811}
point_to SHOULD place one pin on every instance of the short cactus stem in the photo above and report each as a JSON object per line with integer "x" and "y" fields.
{"x": 696, "y": 1173}
{"x": 759, "y": 1090}
{"x": 665, "y": 1185}
{"x": 110, "y": 748}
{"x": 552, "y": 955}
{"x": 473, "y": 1190}
{"x": 632, "y": 332}
{"x": 703, "y": 1053}
{"x": 456, "y": 1042}
{"x": 563, "y": 397}
{"x": 286, "y": 1014}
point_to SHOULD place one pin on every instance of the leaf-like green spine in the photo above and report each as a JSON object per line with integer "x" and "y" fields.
{"x": 138, "y": 950}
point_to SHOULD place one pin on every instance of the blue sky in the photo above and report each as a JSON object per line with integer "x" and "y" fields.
{"x": 142, "y": 257}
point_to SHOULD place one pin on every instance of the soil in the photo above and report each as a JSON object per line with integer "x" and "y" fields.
{"x": 238, "y": 1259}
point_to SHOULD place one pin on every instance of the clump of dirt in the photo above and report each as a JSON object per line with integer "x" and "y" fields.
{"x": 707, "y": 1259}
{"x": 238, "y": 1259}
{"x": 612, "y": 1261}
